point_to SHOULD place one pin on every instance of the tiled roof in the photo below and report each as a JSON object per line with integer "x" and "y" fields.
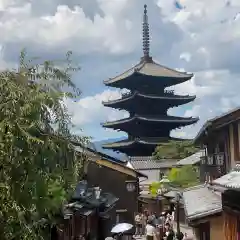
{"x": 150, "y": 69}
{"x": 152, "y": 164}
{"x": 160, "y": 119}
{"x": 209, "y": 122}
{"x": 200, "y": 201}
{"x": 150, "y": 96}
{"x": 230, "y": 180}
{"x": 86, "y": 196}
{"x": 141, "y": 158}
{"x": 191, "y": 160}
{"x": 139, "y": 140}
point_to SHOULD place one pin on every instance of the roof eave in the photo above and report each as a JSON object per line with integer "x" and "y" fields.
{"x": 198, "y": 139}
{"x": 122, "y": 121}
{"x": 110, "y": 82}
{"x": 130, "y": 97}
{"x": 103, "y": 155}
{"x": 203, "y": 215}
{"x": 114, "y": 80}
{"x": 115, "y": 147}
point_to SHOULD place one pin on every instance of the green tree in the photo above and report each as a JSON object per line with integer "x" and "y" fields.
{"x": 174, "y": 150}
{"x": 38, "y": 166}
{"x": 153, "y": 188}
{"x": 185, "y": 176}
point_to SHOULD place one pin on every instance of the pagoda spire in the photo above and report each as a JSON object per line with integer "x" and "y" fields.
{"x": 145, "y": 36}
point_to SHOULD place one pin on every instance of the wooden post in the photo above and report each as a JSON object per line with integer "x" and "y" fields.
{"x": 179, "y": 234}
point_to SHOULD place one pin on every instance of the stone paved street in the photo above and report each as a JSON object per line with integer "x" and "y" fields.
{"x": 185, "y": 229}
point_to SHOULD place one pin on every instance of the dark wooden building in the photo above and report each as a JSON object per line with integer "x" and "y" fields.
{"x": 220, "y": 139}
{"x": 218, "y": 212}
{"x": 230, "y": 203}
{"x": 88, "y": 215}
{"x": 118, "y": 179}
{"x": 147, "y": 102}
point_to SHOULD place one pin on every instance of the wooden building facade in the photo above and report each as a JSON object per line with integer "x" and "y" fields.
{"x": 230, "y": 203}
{"x": 231, "y": 214}
{"x": 88, "y": 215}
{"x": 117, "y": 177}
{"x": 218, "y": 199}
{"x": 220, "y": 137}
{"x": 120, "y": 180}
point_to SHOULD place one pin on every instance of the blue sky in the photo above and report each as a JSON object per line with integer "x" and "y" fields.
{"x": 198, "y": 36}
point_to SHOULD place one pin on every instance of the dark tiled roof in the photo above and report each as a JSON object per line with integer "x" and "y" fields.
{"x": 191, "y": 160}
{"x": 141, "y": 158}
{"x": 93, "y": 153}
{"x": 209, "y": 122}
{"x": 230, "y": 180}
{"x": 163, "y": 97}
{"x": 152, "y": 164}
{"x": 150, "y": 69}
{"x": 85, "y": 195}
{"x": 200, "y": 202}
{"x": 161, "y": 119}
{"x": 140, "y": 140}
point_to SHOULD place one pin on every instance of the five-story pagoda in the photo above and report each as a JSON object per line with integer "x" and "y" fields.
{"x": 147, "y": 103}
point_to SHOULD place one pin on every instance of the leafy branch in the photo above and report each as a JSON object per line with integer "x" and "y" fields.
{"x": 39, "y": 167}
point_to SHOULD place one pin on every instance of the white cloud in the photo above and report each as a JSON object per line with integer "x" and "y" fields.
{"x": 90, "y": 108}
{"x": 68, "y": 27}
{"x": 203, "y": 37}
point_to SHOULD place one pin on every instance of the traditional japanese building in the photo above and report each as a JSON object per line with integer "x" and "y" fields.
{"x": 147, "y": 102}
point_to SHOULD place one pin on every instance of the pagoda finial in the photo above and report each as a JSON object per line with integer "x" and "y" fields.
{"x": 145, "y": 36}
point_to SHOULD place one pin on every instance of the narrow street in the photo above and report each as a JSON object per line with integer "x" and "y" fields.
{"x": 183, "y": 227}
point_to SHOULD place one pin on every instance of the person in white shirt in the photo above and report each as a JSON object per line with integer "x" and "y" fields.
{"x": 150, "y": 231}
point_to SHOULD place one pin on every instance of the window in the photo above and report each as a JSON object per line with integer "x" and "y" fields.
{"x": 210, "y": 160}
{"x": 220, "y": 159}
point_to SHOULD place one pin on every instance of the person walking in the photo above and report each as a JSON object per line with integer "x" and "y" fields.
{"x": 169, "y": 233}
{"x": 138, "y": 224}
{"x": 143, "y": 223}
{"x": 150, "y": 230}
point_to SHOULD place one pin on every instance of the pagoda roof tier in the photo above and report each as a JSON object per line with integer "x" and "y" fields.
{"x": 134, "y": 99}
{"x": 152, "y": 119}
{"x": 149, "y": 126}
{"x": 145, "y": 141}
{"x": 138, "y": 146}
{"x": 148, "y": 72}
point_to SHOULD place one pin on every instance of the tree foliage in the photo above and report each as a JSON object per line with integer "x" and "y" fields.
{"x": 174, "y": 150}
{"x": 185, "y": 176}
{"x": 153, "y": 188}
{"x": 38, "y": 166}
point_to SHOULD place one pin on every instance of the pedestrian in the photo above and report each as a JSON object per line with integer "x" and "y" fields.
{"x": 169, "y": 220}
{"x": 143, "y": 223}
{"x": 138, "y": 224}
{"x": 169, "y": 233}
{"x": 150, "y": 230}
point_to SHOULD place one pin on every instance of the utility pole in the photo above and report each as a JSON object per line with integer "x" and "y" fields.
{"x": 179, "y": 234}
